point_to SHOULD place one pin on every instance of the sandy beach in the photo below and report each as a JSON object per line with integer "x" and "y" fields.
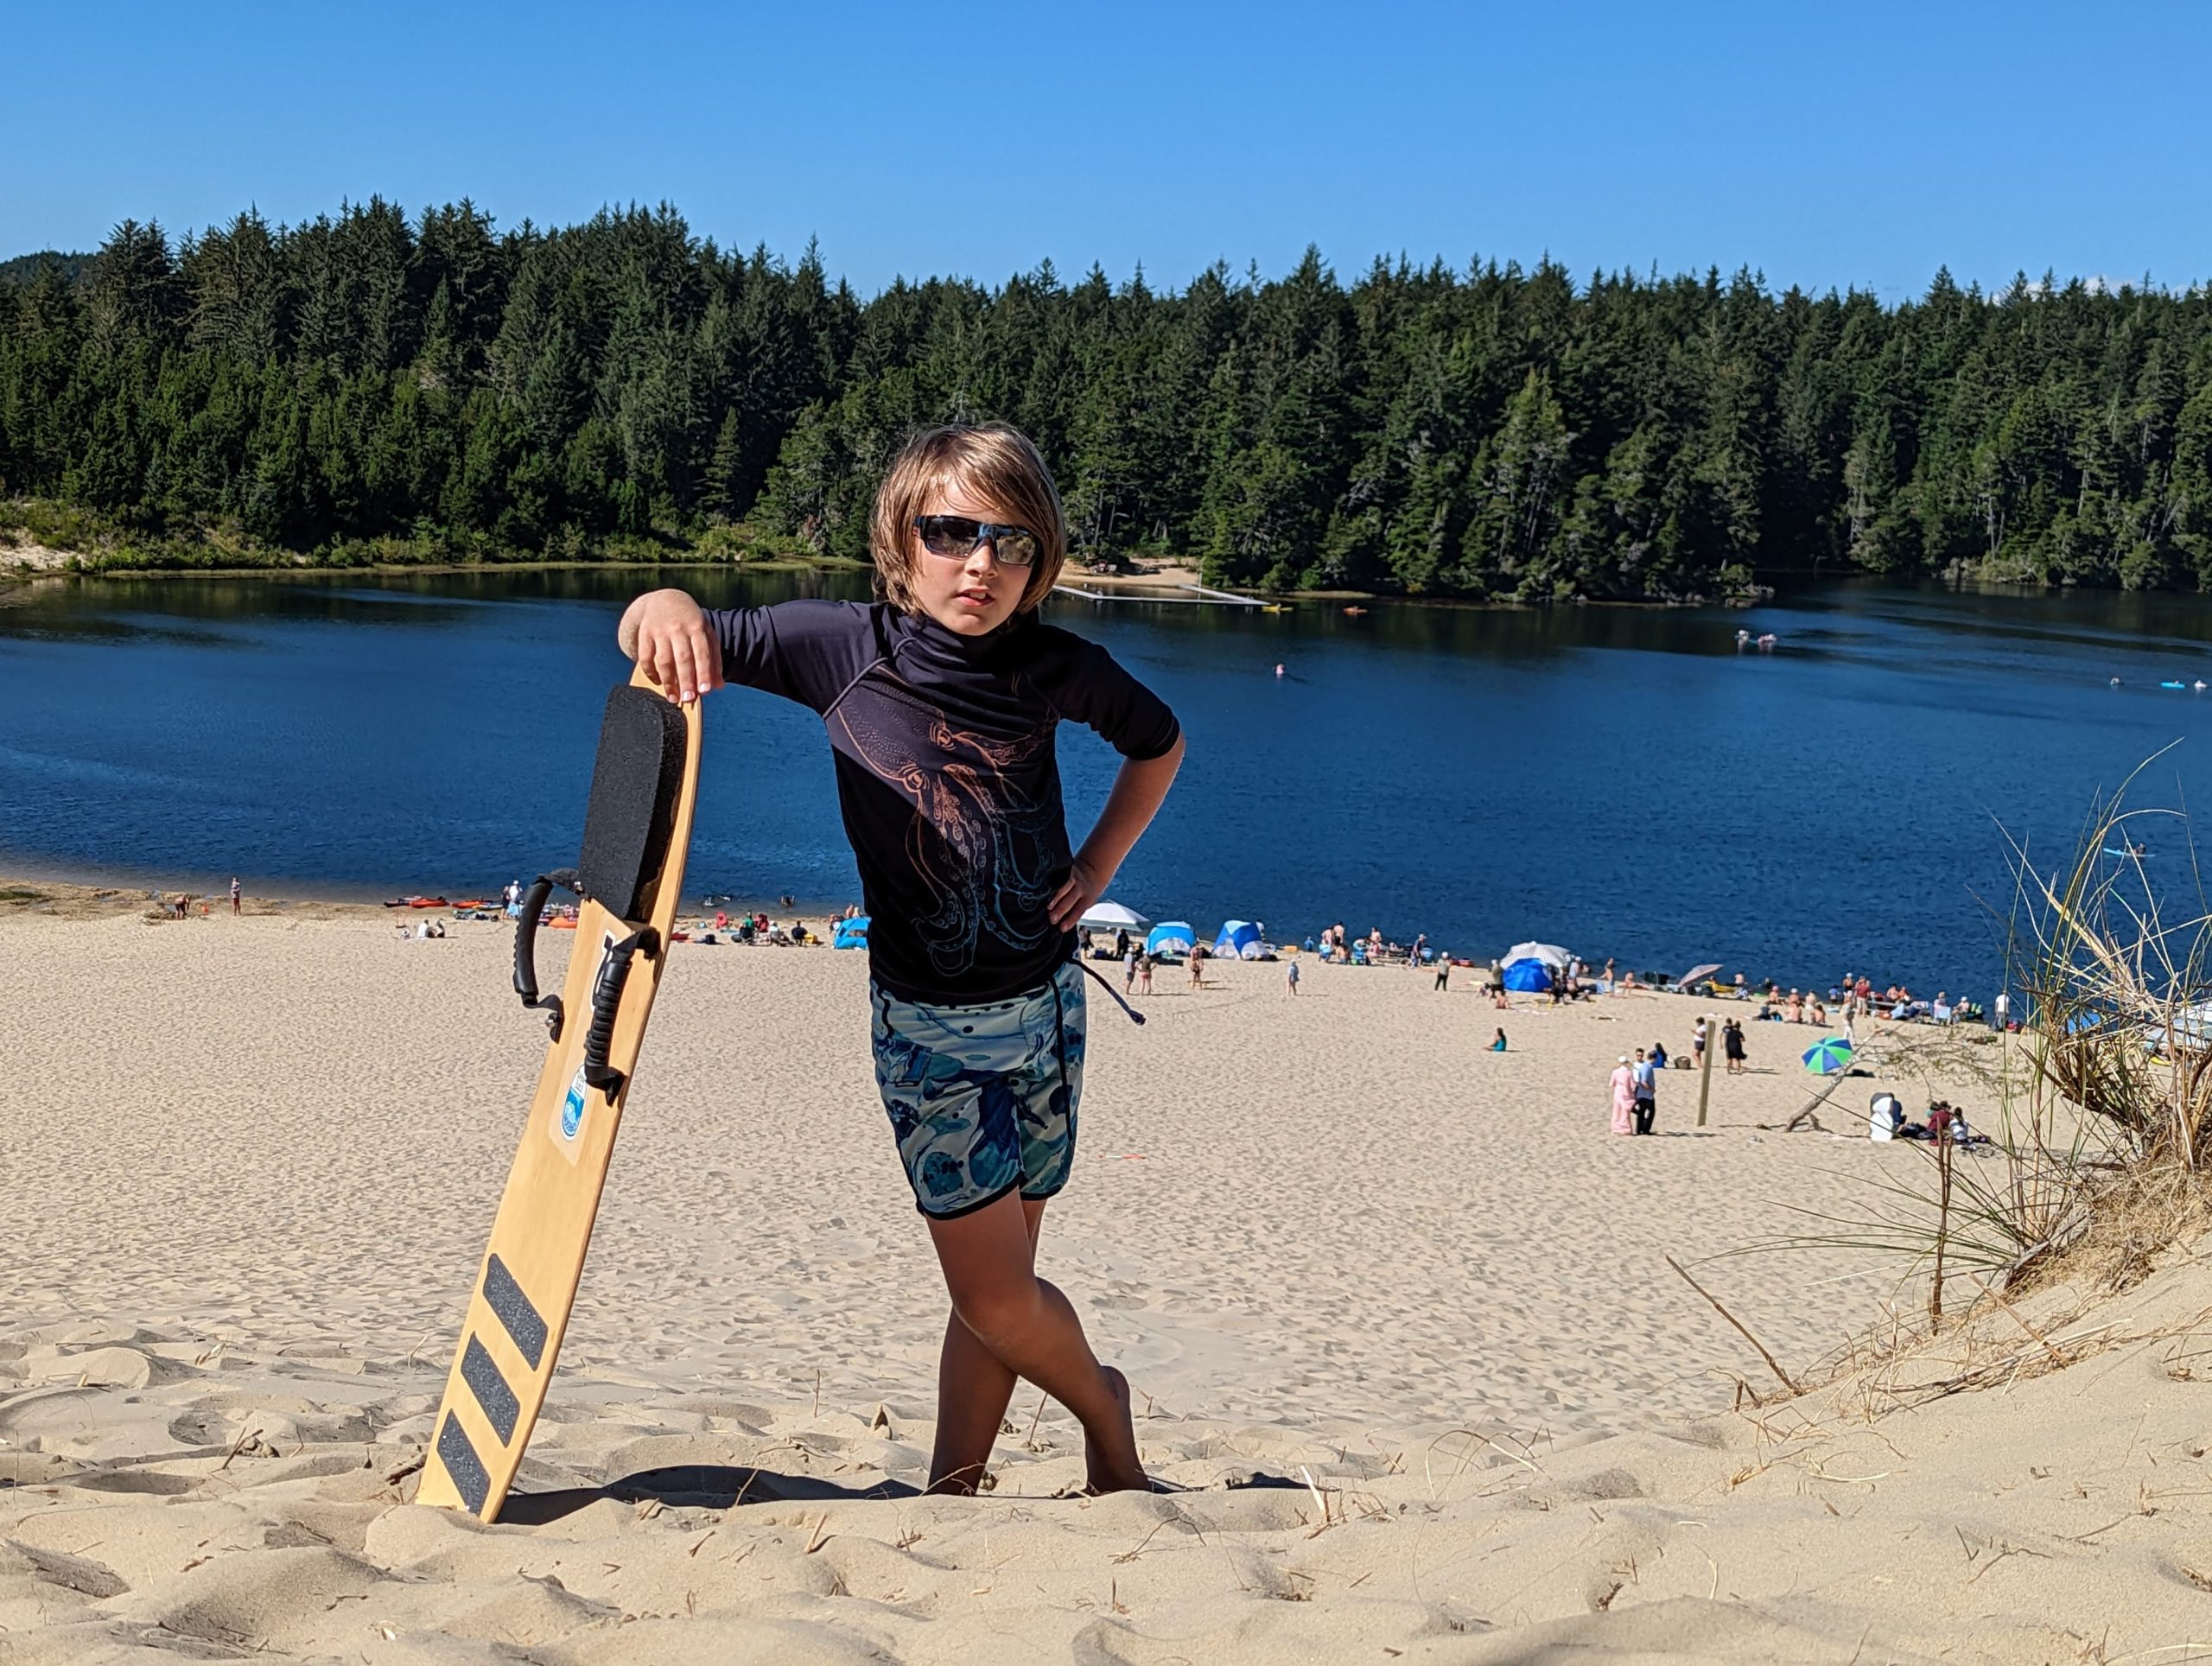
{"x": 1396, "y": 1307}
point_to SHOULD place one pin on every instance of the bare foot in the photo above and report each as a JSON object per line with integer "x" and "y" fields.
{"x": 1121, "y": 1470}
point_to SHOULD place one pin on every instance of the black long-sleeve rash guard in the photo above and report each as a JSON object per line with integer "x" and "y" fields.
{"x": 947, "y": 775}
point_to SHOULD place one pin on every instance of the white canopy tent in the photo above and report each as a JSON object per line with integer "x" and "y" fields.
{"x": 1550, "y": 953}
{"x": 1113, "y": 917}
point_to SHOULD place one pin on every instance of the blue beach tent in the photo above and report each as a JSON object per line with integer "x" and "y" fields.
{"x": 1527, "y": 975}
{"x": 1170, "y": 936}
{"x": 1239, "y": 940}
{"x": 851, "y": 934}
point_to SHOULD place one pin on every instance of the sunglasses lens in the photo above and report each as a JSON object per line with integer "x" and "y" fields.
{"x": 948, "y": 535}
{"x": 1015, "y": 548}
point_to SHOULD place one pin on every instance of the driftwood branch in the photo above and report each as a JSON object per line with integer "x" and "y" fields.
{"x": 1805, "y": 1115}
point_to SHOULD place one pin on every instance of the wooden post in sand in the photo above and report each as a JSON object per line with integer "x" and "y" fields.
{"x": 1705, "y": 1084}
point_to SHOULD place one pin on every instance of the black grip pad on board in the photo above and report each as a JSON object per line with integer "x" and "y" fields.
{"x": 633, "y": 790}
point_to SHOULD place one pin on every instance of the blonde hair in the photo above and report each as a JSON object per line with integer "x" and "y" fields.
{"x": 993, "y": 462}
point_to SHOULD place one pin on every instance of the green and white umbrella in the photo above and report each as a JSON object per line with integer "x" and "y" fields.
{"x": 1828, "y": 1055}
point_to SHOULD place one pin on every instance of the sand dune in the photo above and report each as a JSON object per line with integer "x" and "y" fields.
{"x": 1394, "y": 1305}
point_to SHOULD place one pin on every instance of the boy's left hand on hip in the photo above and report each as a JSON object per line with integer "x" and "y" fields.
{"x": 1073, "y": 899}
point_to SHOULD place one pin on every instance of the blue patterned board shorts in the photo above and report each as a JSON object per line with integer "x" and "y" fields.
{"x": 982, "y": 1099}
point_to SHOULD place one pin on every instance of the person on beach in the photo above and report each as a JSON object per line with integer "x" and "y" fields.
{"x": 1290, "y": 978}
{"x": 1443, "y": 971}
{"x": 236, "y": 908}
{"x": 1644, "y": 1085}
{"x": 1624, "y": 1086}
{"x": 942, "y": 701}
{"x": 1129, "y": 968}
{"x": 1731, "y": 1046}
{"x": 1145, "y": 963}
{"x": 1196, "y": 960}
{"x": 1697, "y": 1042}
{"x": 1499, "y": 1045}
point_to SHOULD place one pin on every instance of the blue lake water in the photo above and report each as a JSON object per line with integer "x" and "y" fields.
{"x": 1623, "y": 781}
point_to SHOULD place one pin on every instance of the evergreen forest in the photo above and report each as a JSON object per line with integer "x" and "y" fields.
{"x": 370, "y": 386}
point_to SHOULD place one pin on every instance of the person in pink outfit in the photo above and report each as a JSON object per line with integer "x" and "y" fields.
{"x": 1623, "y": 1098}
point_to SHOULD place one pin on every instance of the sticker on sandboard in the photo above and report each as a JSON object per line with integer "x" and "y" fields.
{"x": 567, "y": 1126}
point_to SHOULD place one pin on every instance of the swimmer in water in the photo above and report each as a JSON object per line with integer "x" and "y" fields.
{"x": 1278, "y": 672}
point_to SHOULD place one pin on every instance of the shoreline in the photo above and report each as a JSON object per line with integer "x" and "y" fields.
{"x": 32, "y": 562}
{"x": 79, "y": 893}
{"x": 32, "y": 573}
{"x": 29, "y": 564}
{"x": 17, "y": 572}
{"x": 1169, "y": 582}
{"x": 83, "y": 896}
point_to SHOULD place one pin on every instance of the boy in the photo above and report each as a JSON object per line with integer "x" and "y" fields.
{"x": 941, "y": 702}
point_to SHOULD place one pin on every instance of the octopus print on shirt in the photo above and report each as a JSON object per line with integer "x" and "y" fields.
{"x": 948, "y": 775}
{"x": 984, "y": 844}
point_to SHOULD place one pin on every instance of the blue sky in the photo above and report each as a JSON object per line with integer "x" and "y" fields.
{"x": 1824, "y": 145}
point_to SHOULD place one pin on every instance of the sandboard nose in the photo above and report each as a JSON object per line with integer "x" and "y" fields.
{"x": 636, "y": 780}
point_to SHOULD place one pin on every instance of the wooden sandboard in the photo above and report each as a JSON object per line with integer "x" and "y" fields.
{"x": 518, "y": 1308}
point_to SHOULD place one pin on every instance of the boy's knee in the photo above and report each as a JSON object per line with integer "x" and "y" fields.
{"x": 999, "y": 1309}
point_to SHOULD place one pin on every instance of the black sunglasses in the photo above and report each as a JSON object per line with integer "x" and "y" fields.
{"x": 956, "y": 537}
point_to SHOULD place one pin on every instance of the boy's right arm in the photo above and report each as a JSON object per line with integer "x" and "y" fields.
{"x": 804, "y": 651}
{"x": 666, "y": 631}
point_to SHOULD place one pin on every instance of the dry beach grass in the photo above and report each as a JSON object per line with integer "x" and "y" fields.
{"x": 1398, "y": 1309}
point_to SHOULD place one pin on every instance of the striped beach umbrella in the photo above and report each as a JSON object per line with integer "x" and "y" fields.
{"x": 1828, "y": 1055}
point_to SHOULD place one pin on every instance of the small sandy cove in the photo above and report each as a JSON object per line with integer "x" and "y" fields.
{"x": 1396, "y": 1307}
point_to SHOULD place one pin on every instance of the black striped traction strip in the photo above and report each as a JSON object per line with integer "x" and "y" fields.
{"x": 498, "y": 1400}
{"x": 525, "y": 1327}
{"x": 464, "y": 1466}
{"x": 505, "y": 1299}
